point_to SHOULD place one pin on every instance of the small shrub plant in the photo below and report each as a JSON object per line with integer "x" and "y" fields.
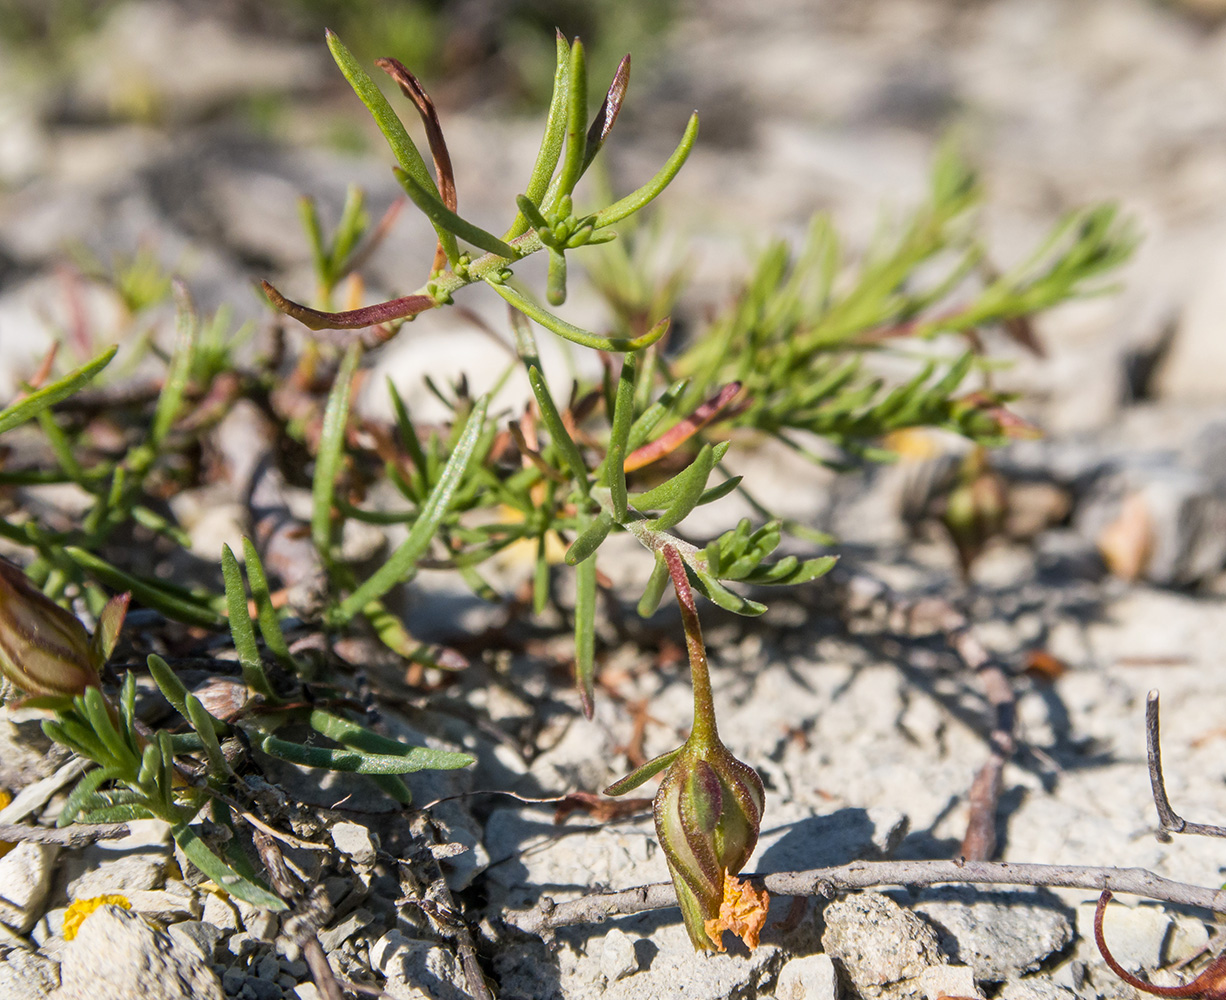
{"x": 791, "y": 356}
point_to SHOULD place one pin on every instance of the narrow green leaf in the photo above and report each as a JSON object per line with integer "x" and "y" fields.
{"x": 551, "y": 142}
{"x": 85, "y": 788}
{"x": 357, "y": 737}
{"x": 241, "y": 628}
{"x": 266, "y": 614}
{"x": 403, "y": 562}
{"x": 170, "y": 399}
{"x": 557, "y": 430}
{"x": 349, "y": 230}
{"x": 640, "y": 774}
{"x": 49, "y": 395}
{"x": 363, "y": 762}
{"x": 614, "y": 473}
{"x": 720, "y": 491}
{"x": 402, "y": 146}
{"x": 576, "y": 335}
{"x": 309, "y": 215}
{"x": 586, "y": 544}
{"x": 168, "y": 683}
{"x": 576, "y": 128}
{"x": 227, "y": 878}
{"x": 657, "y": 583}
{"x": 104, "y": 728}
{"x": 717, "y": 593}
{"x": 122, "y": 813}
{"x": 641, "y": 429}
{"x": 61, "y": 448}
{"x": 203, "y": 723}
{"x": 585, "y": 632}
{"x": 638, "y": 199}
{"x": 688, "y": 483}
{"x": 150, "y": 770}
{"x": 445, "y": 220}
{"x": 167, "y": 784}
{"x": 800, "y": 572}
{"x": 331, "y": 453}
{"x": 555, "y": 280}
{"x": 407, "y": 432}
{"x": 540, "y": 577}
{"x": 148, "y": 593}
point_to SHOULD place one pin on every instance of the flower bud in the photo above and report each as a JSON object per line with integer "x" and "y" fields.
{"x": 44, "y": 649}
{"x": 708, "y": 810}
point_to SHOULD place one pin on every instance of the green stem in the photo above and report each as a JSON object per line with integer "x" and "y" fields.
{"x": 704, "y": 734}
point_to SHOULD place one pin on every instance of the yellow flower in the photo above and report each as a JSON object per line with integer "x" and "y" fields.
{"x": 79, "y": 909}
{"x": 5, "y": 846}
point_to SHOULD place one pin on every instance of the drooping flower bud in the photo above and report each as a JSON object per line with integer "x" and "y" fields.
{"x": 44, "y": 649}
{"x": 708, "y": 809}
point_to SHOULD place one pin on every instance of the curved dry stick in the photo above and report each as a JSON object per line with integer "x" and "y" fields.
{"x": 1210, "y": 984}
{"x": 1169, "y": 821}
{"x": 828, "y": 882}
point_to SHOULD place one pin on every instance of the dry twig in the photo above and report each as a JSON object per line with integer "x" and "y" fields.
{"x": 72, "y": 837}
{"x": 828, "y": 882}
{"x": 1169, "y": 821}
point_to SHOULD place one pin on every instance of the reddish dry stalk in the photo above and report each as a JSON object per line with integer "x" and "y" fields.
{"x": 677, "y": 435}
{"x": 1209, "y": 985}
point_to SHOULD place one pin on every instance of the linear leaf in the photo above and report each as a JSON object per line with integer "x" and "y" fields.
{"x": 576, "y": 335}
{"x": 403, "y": 562}
{"x": 146, "y": 592}
{"x": 199, "y": 854}
{"x": 638, "y": 199}
{"x": 241, "y": 629}
{"x": 364, "y": 762}
{"x": 49, "y": 395}
{"x": 331, "y": 453}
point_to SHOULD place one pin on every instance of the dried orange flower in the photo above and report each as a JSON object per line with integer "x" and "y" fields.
{"x": 742, "y": 911}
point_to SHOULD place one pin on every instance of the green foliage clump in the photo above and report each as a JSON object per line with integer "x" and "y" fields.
{"x": 792, "y": 354}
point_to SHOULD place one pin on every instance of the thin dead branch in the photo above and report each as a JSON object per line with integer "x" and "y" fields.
{"x": 303, "y": 926}
{"x": 1169, "y": 821}
{"x": 829, "y": 882}
{"x": 72, "y": 837}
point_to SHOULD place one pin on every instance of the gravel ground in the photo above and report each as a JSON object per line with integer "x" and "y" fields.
{"x": 867, "y": 734}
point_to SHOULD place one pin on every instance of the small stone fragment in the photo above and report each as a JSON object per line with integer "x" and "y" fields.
{"x": 116, "y": 955}
{"x": 617, "y": 957}
{"x": 220, "y": 912}
{"x": 259, "y": 923}
{"x": 1034, "y": 989}
{"x": 197, "y": 934}
{"x": 25, "y": 880}
{"x": 948, "y": 981}
{"x": 333, "y": 937}
{"x": 26, "y": 975}
{"x": 878, "y": 943}
{"x": 999, "y": 935}
{"x": 165, "y": 907}
{"x": 411, "y": 963}
{"x": 354, "y": 841}
{"x": 812, "y": 977}
{"x": 137, "y": 872}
